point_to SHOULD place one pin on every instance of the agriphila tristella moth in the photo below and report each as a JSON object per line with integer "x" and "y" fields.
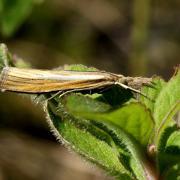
{"x": 40, "y": 81}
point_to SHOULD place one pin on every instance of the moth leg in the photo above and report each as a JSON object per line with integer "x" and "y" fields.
{"x": 36, "y": 98}
{"x": 151, "y": 85}
{"x": 63, "y": 94}
{"x": 54, "y": 95}
{"x": 106, "y": 88}
{"x": 132, "y": 89}
{"x": 67, "y": 92}
{"x": 74, "y": 90}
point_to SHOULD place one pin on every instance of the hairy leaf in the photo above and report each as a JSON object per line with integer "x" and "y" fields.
{"x": 79, "y": 138}
{"x": 138, "y": 162}
{"x": 133, "y": 118}
{"x": 167, "y": 105}
{"x": 82, "y": 104}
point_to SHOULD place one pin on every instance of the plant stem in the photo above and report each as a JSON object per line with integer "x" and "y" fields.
{"x": 139, "y": 37}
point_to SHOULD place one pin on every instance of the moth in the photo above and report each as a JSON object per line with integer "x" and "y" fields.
{"x": 41, "y": 81}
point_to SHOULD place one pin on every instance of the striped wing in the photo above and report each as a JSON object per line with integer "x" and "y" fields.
{"x": 37, "y": 81}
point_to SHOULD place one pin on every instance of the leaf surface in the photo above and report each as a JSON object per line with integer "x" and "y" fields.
{"x": 167, "y": 105}
{"x": 76, "y": 136}
{"x": 134, "y": 118}
{"x": 152, "y": 92}
{"x": 174, "y": 140}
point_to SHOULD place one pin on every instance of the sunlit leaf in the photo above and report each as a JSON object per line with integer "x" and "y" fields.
{"x": 174, "y": 140}
{"x": 167, "y": 105}
{"x": 80, "y": 138}
{"x": 133, "y": 118}
{"x": 152, "y": 93}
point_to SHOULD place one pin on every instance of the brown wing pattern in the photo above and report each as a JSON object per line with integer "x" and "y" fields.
{"x": 37, "y": 81}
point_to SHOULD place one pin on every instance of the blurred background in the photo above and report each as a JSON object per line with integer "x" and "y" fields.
{"x": 138, "y": 37}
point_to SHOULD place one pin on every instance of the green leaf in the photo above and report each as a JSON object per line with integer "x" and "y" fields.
{"x": 82, "y": 104}
{"x": 167, "y": 155}
{"x": 96, "y": 151}
{"x": 138, "y": 162}
{"x": 14, "y": 13}
{"x": 79, "y": 138}
{"x": 90, "y": 146}
{"x": 133, "y": 118}
{"x": 164, "y": 138}
{"x": 152, "y": 93}
{"x": 79, "y": 67}
{"x": 167, "y": 105}
{"x": 174, "y": 140}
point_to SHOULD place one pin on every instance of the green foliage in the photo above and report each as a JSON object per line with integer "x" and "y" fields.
{"x": 121, "y": 117}
{"x": 166, "y": 132}
{"x": 79, "y": 67}
{"x": 114, "y": 130}
{"x": 125, "y": 126}
{"x": 173, "y": 172}
{"x": 167, "y": 105}
{"x": 13, "y": 13}
{"x": 99, "y": 142}
{"x": 152, "y": 93}
{"x": 83, "y": 137}
{"x": 174, "y": 140}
